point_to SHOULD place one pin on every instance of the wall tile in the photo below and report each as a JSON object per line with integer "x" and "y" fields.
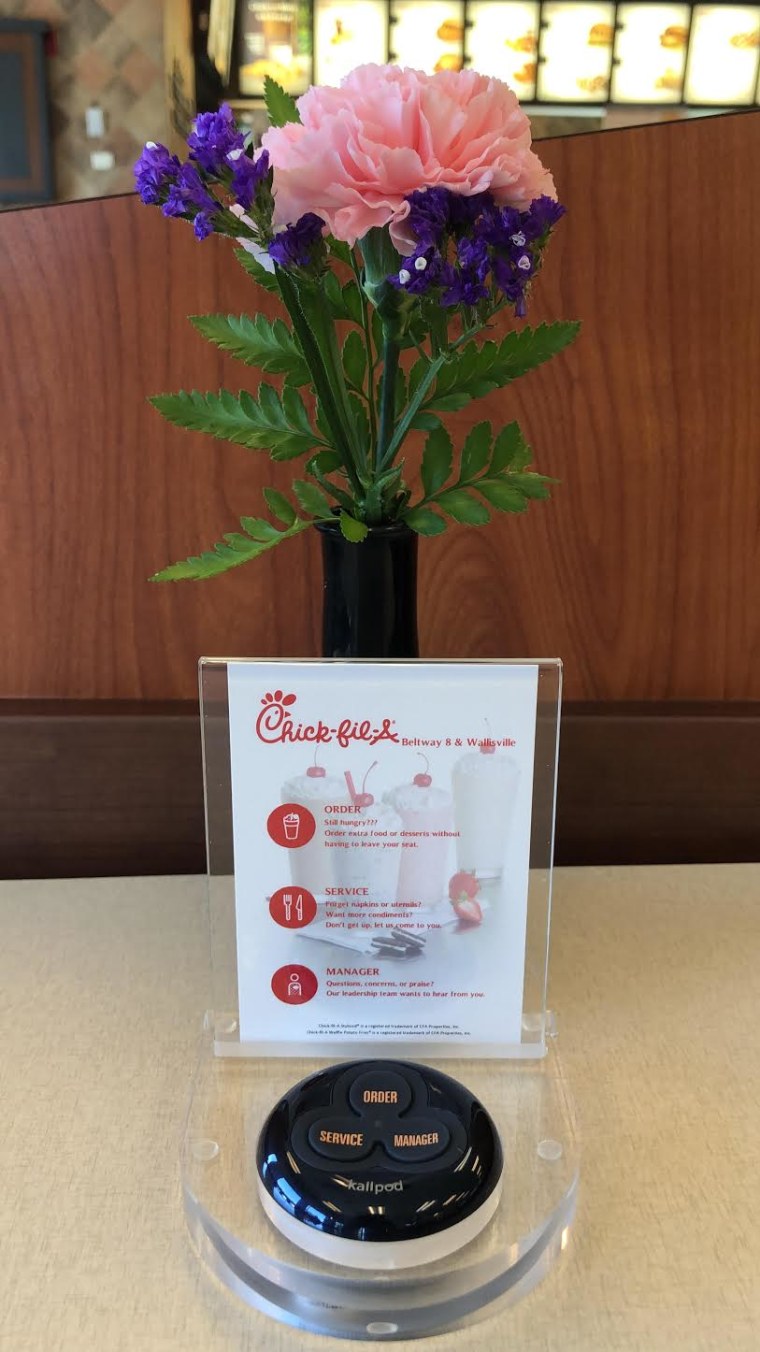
{"x": 109, "y": 52}
{"x": 140, "y": 71}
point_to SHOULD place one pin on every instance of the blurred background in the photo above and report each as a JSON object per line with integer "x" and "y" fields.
{"x": 84, "y": 83}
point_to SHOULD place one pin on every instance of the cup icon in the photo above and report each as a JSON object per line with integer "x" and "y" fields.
{"x": 292, "y": 826}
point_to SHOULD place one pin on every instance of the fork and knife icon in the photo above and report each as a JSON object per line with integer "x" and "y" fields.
{"x": 288, "y": 904}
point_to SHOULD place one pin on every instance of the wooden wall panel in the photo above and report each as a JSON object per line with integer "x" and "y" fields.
{"x": 642, "y": 574}
{"x": 97, "y": 788}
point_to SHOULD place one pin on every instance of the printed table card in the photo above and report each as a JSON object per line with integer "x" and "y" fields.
{"x": 381, "y": 825}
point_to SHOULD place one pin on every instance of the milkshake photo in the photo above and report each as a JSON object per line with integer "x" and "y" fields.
{"x": 485, "y": 786}
{"x": 367, "y": 853}
{"x": 427, "y": 826}
{"x": 311, "y": 865}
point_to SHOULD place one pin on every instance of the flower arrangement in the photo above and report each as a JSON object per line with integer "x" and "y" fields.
{"x": 409, "y": 210}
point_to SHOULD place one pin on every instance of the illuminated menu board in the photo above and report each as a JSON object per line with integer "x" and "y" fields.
{"x": 221, "y": 24}
{"x": 650, "y": 53}
{"x": 275, "y": 40}
{"x": 427, "y": 34}
{"x": 723, "y": 55}
{"x": 555, "y": 52}
{"x": 576, "y": 52}
{"x": 502, "y": 41}
{"x": 348, "y": 33}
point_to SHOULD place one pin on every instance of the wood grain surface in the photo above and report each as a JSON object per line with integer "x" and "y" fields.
{"x": 643, "y": 572}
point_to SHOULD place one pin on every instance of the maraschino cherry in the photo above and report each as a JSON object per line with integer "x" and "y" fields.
{"x": 316, "y": 771}
{"x": 487, "y": 749}
{"x": 423, "y": 780}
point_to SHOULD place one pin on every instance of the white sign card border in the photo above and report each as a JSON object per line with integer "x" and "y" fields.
{"x": 442, "y": 720}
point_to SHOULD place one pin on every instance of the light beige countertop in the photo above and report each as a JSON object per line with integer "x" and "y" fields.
{"x": 655, "y": 976}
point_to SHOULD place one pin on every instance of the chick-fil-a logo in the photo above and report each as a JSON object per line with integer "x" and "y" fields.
{"x": 276, "y": 724}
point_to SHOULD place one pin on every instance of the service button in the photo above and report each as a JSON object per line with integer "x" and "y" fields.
{"x": 339, "y": 1138}
{"x": 380, "y": 1092}
{"x": 416, "y": 1139}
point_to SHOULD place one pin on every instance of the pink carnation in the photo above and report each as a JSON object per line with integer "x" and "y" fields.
{"x": 361, "y": 149}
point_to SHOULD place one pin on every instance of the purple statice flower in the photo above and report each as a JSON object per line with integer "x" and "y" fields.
{"x": 247, "y": 174}
{"x": 188, "y": 194}
{"x": 541, "y": 216}
{"x": 499, "y": 225}
{"x": 463, "y": 286}
{"x": 472, "y": 255}
{"x": 213, "y": 136}
{"x": 435, "y": 212}
{"x": 155, "y": 171}
{"x": 189, "y": 198}
{"x": 419, "y": 272}
{"x": 296, "y": 246}
{"x": 428, "y": 217}
{"x": 203, "y": 225}
{"x": 512, "y": 280}
{"x": 466, "y": 282}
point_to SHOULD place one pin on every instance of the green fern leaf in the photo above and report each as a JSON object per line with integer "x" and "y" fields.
{"x": 278, "y": 425}
{"x": 234, "y": 550}
{"x": 510, "y": 450}
{"x": 459, "y": 505}
{"x": 424, "y": 522}
{"x": 281, "y": 107}
{"x": 436, "y": 461}
{"x": 351, "y": 529}
{"x": 502, "y": 495}
{"x": 476, "y": 370}
{"x": 475, "y": 452}
{"x": 257, "y": 341}
{"x": 279, "y": 506}
{"x": 261, "y": 276}
{"x": 311, "y": 498}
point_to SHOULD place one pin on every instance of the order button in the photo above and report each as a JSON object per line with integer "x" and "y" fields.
{"x": 339, "y": 1138}
{"x": 380, "y": 1091}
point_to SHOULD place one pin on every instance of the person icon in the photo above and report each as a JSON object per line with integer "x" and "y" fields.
{"x": 294, "y": 985}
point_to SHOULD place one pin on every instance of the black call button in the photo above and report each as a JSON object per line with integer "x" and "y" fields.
{"x": 339, "y": 1138}
{"x": 380, "y": 1092}
{"x": 415, "y": 1139}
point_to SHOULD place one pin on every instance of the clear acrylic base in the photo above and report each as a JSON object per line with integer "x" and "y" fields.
{"x": 532, "y": 1109}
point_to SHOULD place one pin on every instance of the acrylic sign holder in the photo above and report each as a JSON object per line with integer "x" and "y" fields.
{"x": 235, "y": 1089}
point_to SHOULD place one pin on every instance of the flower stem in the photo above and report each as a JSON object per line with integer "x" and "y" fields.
{"x": 412, "y": 409}
{"x": 387, "y": 396}
{"x": 370, "y": 358}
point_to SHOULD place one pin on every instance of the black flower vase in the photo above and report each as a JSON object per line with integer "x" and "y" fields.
{"x": 369, "y": 606}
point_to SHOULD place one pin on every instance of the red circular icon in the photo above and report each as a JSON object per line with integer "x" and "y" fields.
{"x": 292, "y": 907}
{"x": 291, "y": 825}
{"x": 294, "y": 985}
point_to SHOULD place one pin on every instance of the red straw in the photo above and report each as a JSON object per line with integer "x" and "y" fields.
{"x": 352, "y": 787}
